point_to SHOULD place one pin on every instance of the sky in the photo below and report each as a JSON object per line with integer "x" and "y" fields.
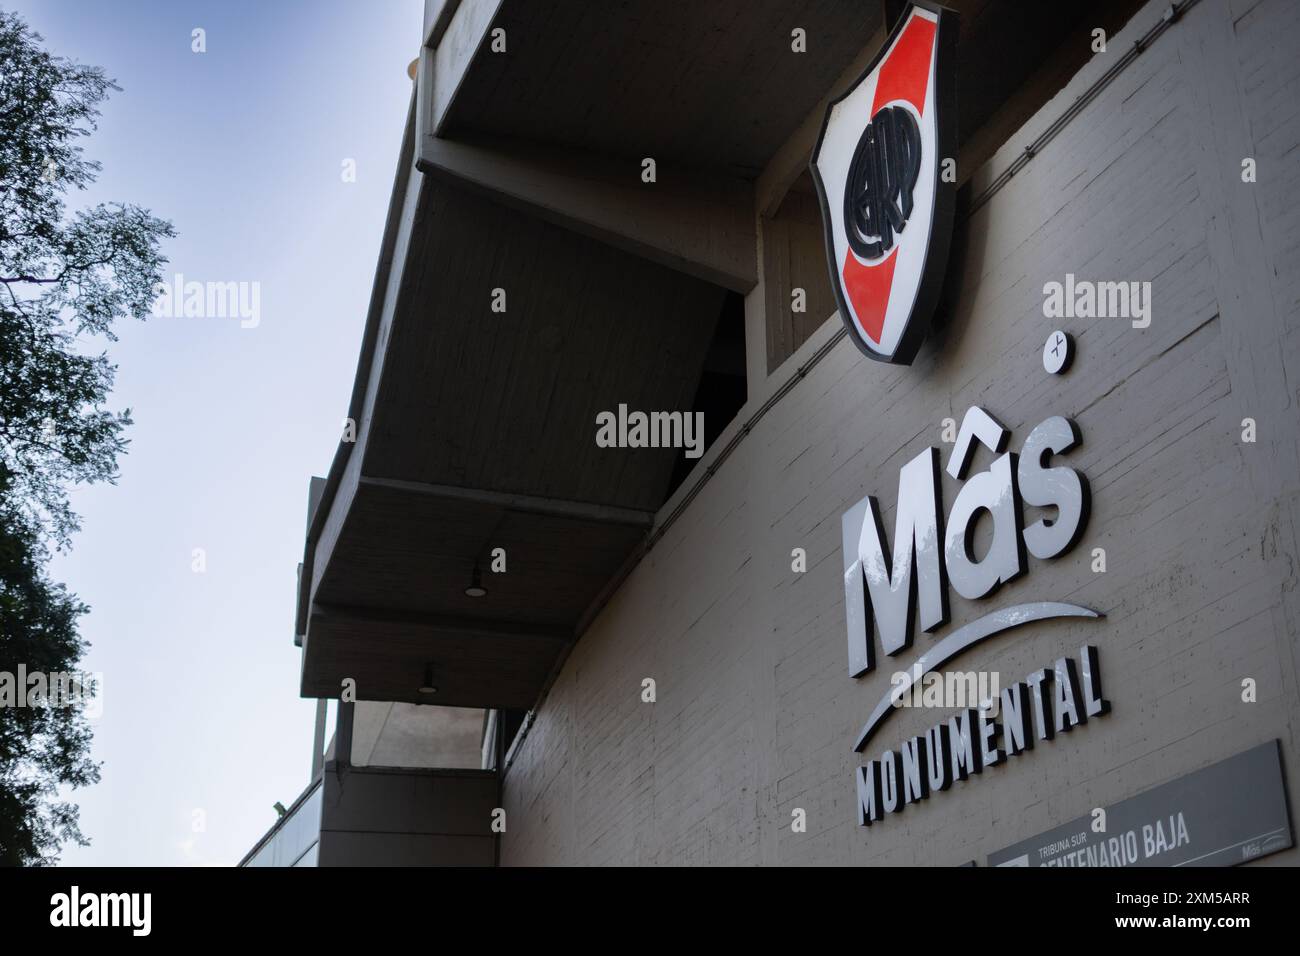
{"x": 246, "y": 148}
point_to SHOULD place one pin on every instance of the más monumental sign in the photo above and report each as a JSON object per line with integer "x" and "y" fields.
{"x": 894, "y": 589}
{"x": 887, "y": 205}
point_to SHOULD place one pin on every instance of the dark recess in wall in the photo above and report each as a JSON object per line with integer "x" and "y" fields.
{"x": 722, "y": 388}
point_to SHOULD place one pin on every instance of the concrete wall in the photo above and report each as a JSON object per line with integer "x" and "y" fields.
{"x": 373, "y": 816}
{"x": 755, "y": 714}
{"x": 396, "y": 734}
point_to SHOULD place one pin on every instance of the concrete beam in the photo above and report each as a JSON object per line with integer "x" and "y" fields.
{"x": 329, "y": 503}
{"x": 439, "y": 624}
{"x": 437, "y": 17}
{"x": 756, "y": 323}
{"x": 528, "y": 504}
{"x": 700, "y": 224}
{"x": 456, "y": 33}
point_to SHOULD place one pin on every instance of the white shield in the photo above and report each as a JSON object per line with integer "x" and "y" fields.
{"x": 886, "y": 204}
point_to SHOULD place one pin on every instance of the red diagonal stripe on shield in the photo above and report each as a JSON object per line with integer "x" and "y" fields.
{"x": 903, "y": 76}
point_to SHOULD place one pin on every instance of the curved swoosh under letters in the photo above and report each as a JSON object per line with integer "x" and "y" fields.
{"x": 959, "y": 640}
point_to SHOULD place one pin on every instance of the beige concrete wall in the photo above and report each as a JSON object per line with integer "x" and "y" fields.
{"x": 755, "y": 714}
{"x": 372, "y": 816}
{"x": 395, "y": 734}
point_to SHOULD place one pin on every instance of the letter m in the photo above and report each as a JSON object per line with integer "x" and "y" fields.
{"x": 117, "y": 909}
{"x": 892, "y": 587}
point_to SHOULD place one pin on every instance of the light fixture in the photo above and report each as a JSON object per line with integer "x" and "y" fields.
{"x": 476, "y": 588}
{"x": 427, "y": 687}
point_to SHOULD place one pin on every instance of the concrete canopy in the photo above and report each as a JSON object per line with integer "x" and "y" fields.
{"x": 713, "y": 84}
{"x": 475, "y": 430}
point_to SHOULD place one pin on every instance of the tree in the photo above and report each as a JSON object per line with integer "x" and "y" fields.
{"x": 41, "y": 746}
{"x": 66, "y": 279}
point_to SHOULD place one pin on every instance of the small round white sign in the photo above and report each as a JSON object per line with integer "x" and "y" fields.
{"x": 1057, "y": 352}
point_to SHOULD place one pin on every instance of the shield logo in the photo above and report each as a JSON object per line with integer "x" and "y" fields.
{"x": 886, "y": 203}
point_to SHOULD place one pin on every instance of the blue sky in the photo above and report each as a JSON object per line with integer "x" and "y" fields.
{"x": 242, "y": 147}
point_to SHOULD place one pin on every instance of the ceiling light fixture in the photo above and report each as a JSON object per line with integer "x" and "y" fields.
{"x": 476, "y": 588}
{"x": 428, "y": 687}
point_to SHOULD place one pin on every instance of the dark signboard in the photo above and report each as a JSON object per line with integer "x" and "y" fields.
{"x": 1223, "y": 815}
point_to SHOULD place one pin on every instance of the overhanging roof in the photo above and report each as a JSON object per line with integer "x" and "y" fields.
{"x": 687, "y": 83}
{"x": 476, "y": 428}
{"x": 476, "y": 431}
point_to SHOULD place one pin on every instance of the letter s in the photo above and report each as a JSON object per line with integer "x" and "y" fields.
{"x": 1064, "y": 488}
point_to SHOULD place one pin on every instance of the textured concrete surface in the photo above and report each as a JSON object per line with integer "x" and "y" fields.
{"x": 374, "y": 816}
{"x": 388, "y": 734}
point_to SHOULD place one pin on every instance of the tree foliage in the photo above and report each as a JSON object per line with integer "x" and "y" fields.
{"x": 42, "y": 747}
{"x": 65, "y": 278}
